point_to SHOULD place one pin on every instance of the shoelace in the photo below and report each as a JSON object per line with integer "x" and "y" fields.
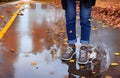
{"x": 83, "y": 53}
{"x": 69, "y": 49}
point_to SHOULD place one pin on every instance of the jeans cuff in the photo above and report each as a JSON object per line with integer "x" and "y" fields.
{"x": 72, "y": 41}
{"x": 84, "y": 42}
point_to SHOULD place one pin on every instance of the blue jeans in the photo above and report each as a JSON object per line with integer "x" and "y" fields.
{"x": 70, "y": 14}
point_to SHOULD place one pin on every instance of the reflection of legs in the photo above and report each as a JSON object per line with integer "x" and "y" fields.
{"x": 85, "y": 14}
{"x": 70, "y": 14}
{"x": 71, "y": 76}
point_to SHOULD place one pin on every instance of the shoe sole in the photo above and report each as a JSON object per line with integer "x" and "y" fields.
{"x": 83, "y": 62}
{"x": 69, "y": 58}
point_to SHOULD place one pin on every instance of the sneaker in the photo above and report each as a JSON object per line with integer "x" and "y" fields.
{"x": 83, "y": 56}
{"x": 69, "y": 53}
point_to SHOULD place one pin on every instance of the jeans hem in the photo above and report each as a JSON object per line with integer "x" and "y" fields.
{"x": 72, "y": 41}
{"x": 84, "y": 42}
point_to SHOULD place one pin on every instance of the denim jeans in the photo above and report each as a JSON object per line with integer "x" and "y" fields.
{"x": 70, "y": 14}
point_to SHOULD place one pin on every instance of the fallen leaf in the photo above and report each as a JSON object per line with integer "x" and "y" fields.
{"x": 65, "y": 43}
{"x": 33, "y": 63}
{"x": 94, "y": 72}
{"x": 51, "y": 72}
{"x": 82, "y": 67}
{"x": 114, "y": 64}
{"x": 72, "y": 60}
{"x": 12, "y": 50}
{"x": 2, "y": 17}
{"x": 104, "y": 26}
{"x": 94, "y": 27}
{"x": 108, "y": 77}
{"x": 117, "y": 54}
{"x": 83, "y": 77}
{"x": 65, "y": 39}
{"x": 77, "y": 46}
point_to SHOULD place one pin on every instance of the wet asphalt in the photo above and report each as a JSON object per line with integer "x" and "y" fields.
{"x": 32, "y": 47}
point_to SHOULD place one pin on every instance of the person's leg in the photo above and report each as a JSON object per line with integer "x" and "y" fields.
{"x": 85, "y": 14}
{"x": 70, "y": 14}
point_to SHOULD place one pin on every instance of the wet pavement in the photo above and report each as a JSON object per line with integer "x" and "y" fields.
{"x": 32, "y": 47}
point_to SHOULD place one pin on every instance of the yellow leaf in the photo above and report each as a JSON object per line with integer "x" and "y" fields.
{"x": 83, "y": 77}
{"x": 108, "y": 77}
{"x": 65, "y": 43}
{"x": 77, "y": 46}
{"x": 82, "y": 67}
{"x": 114, "y": 64}
{"x": 117, "y": 54}
{"x": 72, "y": 60}
{"x": 94, "y": 27}
{"x": 33, "y": 63}
{"x": 2, "y": 17}
{"x": 65, "y": 39}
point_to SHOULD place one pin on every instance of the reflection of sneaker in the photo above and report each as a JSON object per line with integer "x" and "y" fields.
{"x": 83, "y": 56}
{"x": 69, "y": 53}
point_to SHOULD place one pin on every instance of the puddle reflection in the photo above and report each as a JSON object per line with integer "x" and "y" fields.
{"x": 33, "y": 57}
{"x": 45, "y": 67}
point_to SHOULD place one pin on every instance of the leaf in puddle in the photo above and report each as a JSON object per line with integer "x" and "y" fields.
{"x": 65, "y": 39}
{"x": 83, "y": 77}
{"x": 114, "y": 64}
{"x": 100, "y": 22}
{"x": 104, "y": 26}
{"x": 93, "y": 72}
{"x": 77, "y": 46}
{"x": 82, "y": 67}
{"x": 108, "y": 77}
{"x": 52, "y": 72}
{"x": 12, "y": 50}
{"x": 94, "y": 27}
{"x": 2, "y": 17}
{"x": 65, "y": 43}
{"x": 72, "y": 61}
{"x": 33, "y": 63}
{"x": 117, "y": 54}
